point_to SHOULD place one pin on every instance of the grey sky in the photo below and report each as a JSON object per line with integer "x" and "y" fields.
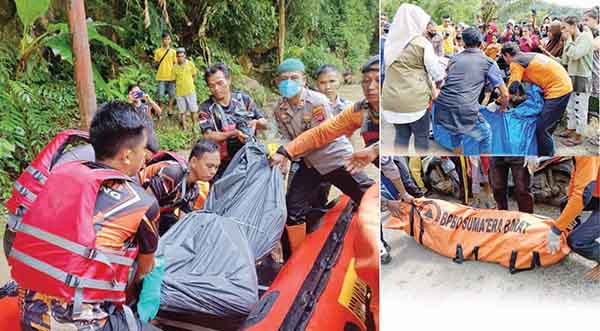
{"x": 575, "y": 3}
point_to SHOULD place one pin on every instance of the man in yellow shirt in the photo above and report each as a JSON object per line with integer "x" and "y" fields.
{"x": 185, "y": 91}
{"x": 165, "y": 57}
{"x": 449, "y": 34}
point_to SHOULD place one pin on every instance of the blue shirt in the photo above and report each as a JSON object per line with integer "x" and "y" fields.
{"x": 457, "y": 107}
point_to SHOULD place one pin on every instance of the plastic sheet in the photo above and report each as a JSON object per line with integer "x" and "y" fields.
{"x": 209, "y": 267}
{"x": 210, "y": 254}
{"x": 513, "y": 132}
{"x": 251, "y": 193}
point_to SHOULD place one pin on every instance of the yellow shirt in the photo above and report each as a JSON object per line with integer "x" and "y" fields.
{"x": 165, "y": 70}
{"x": 184, "y": 78}
{"x": 448, "y": 42}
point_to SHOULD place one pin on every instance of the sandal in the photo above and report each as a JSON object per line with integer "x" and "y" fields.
{"x": 572, "y": 142}
{"x": 566, "y": 134}
{"x": 594, "y": 140}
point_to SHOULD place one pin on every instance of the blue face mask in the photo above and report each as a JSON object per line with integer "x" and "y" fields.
{"x": 289, "y": 88}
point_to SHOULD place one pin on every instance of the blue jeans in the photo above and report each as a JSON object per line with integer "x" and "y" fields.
{"x": 583, "y": 240}
{"x": 476, "y": 141}
{"x": 546, "y": 123}
{"x": 166, "y": 87}
{"x": 420, "y": 128}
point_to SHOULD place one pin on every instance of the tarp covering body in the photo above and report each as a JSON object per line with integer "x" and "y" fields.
{"x": 251, "y": 193}
{"x": 513, "y": 239}
{"x": 513, "y": 131}
{"x": 210, "y": 254}
{"x": 209, "y": 267}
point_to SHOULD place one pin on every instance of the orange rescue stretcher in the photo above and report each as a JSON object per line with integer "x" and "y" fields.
{"x": 513, "y": 239}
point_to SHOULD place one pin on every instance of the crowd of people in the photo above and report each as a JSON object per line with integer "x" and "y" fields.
{"x": 440, "y": 76}
{"x": 138, "y": 192}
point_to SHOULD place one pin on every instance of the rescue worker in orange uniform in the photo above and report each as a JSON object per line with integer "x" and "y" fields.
{"x": 123, "y": 217}
{"x": 554, "y": 81}
{"x": 177, "y": 187}
{"x": 583, "y": 194}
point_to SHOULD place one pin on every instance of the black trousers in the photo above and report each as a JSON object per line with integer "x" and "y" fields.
{"x": 305, "y": 189}
{"x": 165, "y": 222}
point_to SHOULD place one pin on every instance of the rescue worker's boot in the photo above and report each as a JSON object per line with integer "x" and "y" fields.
{"x": 292, "y": 238}
{"x": 384, "y": 252}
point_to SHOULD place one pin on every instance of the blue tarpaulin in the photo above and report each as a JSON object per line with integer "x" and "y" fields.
{"x": 513, "y": 132}
{"x": 517, "y": 125}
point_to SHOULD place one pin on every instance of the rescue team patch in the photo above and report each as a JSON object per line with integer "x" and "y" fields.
{"x": 318, "y": 113}
{"x": 203, "y": 117}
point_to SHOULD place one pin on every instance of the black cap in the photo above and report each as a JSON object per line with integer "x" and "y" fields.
{"x": 373, "y": 60}
{"x": 472, "y": 37}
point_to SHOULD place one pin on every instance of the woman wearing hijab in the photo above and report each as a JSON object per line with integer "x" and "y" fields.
{"x": 410, "y": 64}
{"x": 555, "y": 45}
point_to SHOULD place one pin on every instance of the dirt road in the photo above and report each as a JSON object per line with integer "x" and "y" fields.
{"x": 477, "y": 295}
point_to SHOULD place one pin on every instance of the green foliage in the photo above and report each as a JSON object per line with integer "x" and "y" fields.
{"x": 254, "y": 21}
{"x": 340, "y": 29}
{"x": 33, "y": 111}
{"x": 30, "y": 10}
{"x": 172, "y": 138}
{"x": 37, "y": 91}
{"x": 313, "y": 56}
{"x": 459, "y": 10}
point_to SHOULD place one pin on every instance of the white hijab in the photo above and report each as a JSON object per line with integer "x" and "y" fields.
{"x": 409, "y": 22}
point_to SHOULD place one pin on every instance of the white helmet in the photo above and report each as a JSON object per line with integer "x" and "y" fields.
{"x": 511, "y": 21}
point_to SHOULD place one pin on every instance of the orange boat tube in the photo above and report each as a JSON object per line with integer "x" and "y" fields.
{"x": 332, "y": 281}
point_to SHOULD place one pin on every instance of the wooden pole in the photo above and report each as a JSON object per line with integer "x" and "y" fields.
{"x": 281, "y": 38}
{"x": 86, "y": 94}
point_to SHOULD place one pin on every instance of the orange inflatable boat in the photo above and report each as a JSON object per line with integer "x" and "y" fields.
{"x": 9, "y": 314}
{"x": 332, "y": 281}
{"x": 513, "y": 239}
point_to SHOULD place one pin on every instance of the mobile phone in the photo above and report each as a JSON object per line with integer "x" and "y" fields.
{"x": 138, "y": 94}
